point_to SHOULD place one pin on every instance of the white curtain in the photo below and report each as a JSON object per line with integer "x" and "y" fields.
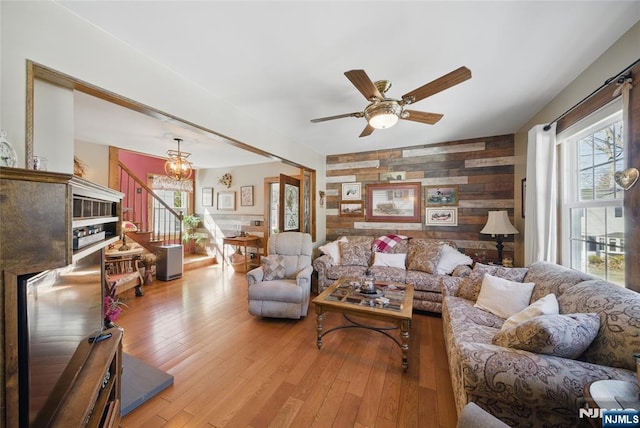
{"x": 540, "y": 221}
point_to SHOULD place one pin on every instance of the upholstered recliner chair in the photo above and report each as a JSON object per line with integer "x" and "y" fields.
{"x": 281, "y": 287}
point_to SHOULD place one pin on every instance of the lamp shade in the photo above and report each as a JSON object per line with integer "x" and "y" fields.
{"x": 127, "y": 226}
{"x": 498, "y": 224}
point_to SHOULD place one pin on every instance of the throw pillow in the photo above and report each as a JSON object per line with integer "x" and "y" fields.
{"x": 390, "y": 260}
{"x": 470, "y": 288}
{"x": 273, "y": 267}
{"x": 451, "y": 258}
{"x": 502, "y": 297}
{"x": 423, "y": 257}
{"x": 333, "y": 249}
{"x": 566, "y": 336}
{"x": 548, "y": 305}
{"x": 354, "y": 254}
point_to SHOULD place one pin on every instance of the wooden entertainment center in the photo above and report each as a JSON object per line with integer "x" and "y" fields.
{"x": 41, "y": 213}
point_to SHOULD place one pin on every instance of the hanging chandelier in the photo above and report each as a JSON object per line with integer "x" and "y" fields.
{"x": 177, "y": 166}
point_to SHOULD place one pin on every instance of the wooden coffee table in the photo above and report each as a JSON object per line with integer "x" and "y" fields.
{"x": 343, "y": 296}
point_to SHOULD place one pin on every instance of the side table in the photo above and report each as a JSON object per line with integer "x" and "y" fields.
{"x": 240, "y": 241}
{"x": 610, "y": 394}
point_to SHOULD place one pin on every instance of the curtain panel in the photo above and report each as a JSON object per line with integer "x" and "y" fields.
{"x": 540, "y": 242}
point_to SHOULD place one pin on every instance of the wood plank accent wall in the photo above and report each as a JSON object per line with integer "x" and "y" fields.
{"x": 483, "y": 169}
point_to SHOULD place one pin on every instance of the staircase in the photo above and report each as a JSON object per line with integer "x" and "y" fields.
{"x": 157, "y": 222}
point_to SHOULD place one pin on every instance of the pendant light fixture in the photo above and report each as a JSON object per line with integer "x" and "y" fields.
{"x": 177, "y": 166}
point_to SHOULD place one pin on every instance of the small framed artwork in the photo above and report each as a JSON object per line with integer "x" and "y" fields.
{"x": 394, "y": 202}
{"x": 227, "y": 201}
{"x": 438, "y": 196}
{"x": 351, "y": 209}
{"x": 246, "y": 196}
{"x": 207, "y": 196}
{"x": 393, "y": 175}
{"x": 351, "y": 191}
{"x": 441, "y": 216}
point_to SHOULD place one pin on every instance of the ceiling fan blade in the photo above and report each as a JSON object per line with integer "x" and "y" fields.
{"x": 368, "y": 130}
{"x": 340, "y": 116}
{"x": 423, "y": 117}
{"x": 440, "y": 84}
{"x": 362, "y": 83}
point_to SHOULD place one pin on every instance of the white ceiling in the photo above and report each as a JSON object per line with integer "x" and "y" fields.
{"x": 283, "y": 63}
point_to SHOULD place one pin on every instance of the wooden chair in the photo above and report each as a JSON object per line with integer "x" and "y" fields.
{"x": 123, "y": 273}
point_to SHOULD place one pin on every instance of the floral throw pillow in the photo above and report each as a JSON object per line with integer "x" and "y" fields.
{"x": 470, "y": 288}
{"x": 565, "y": 335}
{"x": 273, "y": 267}
{"x": 423, "y": 257}
{"x": 354, "y": 254}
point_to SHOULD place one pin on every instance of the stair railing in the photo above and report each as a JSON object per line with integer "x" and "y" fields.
{"x": 148, "y": 211}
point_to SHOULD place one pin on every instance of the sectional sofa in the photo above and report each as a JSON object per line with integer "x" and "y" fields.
{"x": 417, "y": 261}
{"x": 533, "y": 374}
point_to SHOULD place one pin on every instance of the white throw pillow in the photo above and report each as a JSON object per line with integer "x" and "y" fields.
{"x": 450, "y": 258}
{"x": 502, "y": 297}
{"x": 390, "y": 260}
{"x": 333, "y": 249}
{"x": 548, "y": 305}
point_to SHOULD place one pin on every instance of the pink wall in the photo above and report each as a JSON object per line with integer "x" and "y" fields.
{"x": 140, "y": 165}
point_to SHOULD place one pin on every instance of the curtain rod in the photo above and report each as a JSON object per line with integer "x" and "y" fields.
{"x": 620, "y": 77}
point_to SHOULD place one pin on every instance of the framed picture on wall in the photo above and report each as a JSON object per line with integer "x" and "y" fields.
{"x": 352, "y": 191}
{"x": 351, "y": 209}
{"x": 394, "y": 202}
{"x": 246, "y": 196}
{"x": 227, "y": 201}
{"x": 441, "y": 216}
{"x": 438, "y": 196}
{"x": 393, "y": 175}
{"x": 207, "y": 196}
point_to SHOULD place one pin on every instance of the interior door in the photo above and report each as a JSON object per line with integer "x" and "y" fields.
{"x": 290, "y": 207}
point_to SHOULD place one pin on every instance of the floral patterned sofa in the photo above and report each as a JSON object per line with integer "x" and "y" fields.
{"x": 533, "y": 389}
{"x": 412, "y": 261}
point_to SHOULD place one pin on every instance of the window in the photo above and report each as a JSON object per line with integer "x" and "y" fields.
{"x": 163, "y": 220}
{"x": 592, "y": 214}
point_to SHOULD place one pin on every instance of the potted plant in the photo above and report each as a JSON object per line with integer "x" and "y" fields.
{"x": 189, "y": 236}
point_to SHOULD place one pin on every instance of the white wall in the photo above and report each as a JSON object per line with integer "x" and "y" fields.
{"x": 250, "y": 175}
{"x": 48, "y": 34}
{"x": 53, "y": 126}
{"x": 96, "y": 157}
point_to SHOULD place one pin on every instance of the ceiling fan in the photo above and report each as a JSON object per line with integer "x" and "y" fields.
{"x": 383, "y": 112}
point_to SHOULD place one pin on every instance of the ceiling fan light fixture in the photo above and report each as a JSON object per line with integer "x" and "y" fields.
{"x": 383, "y": 114}
{"x": 177, "y": 166}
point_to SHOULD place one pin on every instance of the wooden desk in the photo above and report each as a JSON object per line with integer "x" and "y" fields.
{"x": 240, "y": 241}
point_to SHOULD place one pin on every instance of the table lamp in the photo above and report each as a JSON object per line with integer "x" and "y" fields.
{"x": 126, "y": 226}
{"x": 499, "y": 226}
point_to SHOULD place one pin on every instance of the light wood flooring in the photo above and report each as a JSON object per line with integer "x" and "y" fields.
{"x": 233, "y": 369}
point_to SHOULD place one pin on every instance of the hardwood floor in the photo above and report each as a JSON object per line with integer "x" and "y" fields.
{"x": 233, "y": 369}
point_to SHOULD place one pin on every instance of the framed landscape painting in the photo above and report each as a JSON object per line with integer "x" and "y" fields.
{"x": 394, "y": 202}
{"x": 351, "y": 209}
{"x": 437, "y": 196}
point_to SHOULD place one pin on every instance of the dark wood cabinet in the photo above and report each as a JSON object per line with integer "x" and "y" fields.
{"x": 42, "y": 215}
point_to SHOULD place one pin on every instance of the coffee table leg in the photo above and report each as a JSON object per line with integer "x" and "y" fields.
{"x": 404, "y": 334}
{"x": 319, "y": 328}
